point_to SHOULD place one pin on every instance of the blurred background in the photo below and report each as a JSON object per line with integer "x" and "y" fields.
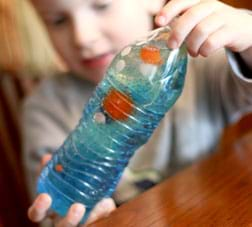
{"x": 21, "y": 70}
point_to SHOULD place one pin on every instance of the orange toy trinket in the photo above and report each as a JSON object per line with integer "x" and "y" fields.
{"x": 117, "y": 105}
{"x": 59, "y": 168}
{"x": 151, "y": 55}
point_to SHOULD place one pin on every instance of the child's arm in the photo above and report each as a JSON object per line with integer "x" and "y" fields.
{"x": 207, "y": 26}
{"x": 38, "y": 210}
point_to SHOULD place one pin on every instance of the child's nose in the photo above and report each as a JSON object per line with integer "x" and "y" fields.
{"x": 86, "y": 33}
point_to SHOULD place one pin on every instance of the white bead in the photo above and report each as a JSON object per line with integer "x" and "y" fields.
{"x": 120, "y": 66}
{"x": 100, "y": 118}
{"x": 148, "y": 70}
{"x": 126, "y": 51}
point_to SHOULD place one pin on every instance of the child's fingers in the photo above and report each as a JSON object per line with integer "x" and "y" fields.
{"x": 173, "y": 9}
{"x": 217, "y": 40}
{"x": 101, "y": 210}
{"x": 189, "y": 20}
{"x": 73, "y": 216}
{"x": 37, "y": 211}
{"x": 201, "y": 32}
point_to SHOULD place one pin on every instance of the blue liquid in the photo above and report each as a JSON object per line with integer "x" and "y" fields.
{"x": 95, "y": 154}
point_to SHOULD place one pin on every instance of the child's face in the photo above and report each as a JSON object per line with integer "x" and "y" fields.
{"x": 88, "y": 33}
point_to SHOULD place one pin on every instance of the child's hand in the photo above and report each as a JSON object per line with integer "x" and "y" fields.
{"x": 206, "y": 26}
{"x": 38, "y": 210}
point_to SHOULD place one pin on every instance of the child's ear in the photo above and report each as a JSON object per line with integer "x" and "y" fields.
{"x": 154, "y": 6}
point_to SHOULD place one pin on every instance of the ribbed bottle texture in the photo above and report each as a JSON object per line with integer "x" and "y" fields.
{"x": 142, "y": 83}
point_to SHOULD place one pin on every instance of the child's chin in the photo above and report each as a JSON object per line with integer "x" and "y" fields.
{"x": 94, "y": 80}
{"x": 97, "y": 78}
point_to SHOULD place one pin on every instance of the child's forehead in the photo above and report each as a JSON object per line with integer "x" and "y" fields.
{"x": 65, "y": 4}
{"x": 59, "y": 4}
{"x": 68, "y": 3}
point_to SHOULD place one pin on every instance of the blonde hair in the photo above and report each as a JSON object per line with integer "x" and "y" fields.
{"x": 11, "y": 52}
{"x": 25, "y": 45}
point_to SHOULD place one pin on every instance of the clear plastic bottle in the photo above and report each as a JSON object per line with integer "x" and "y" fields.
{"x": 142, "y": 83}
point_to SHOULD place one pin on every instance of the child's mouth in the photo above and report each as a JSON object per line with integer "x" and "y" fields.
{"x": 100, "y": 61}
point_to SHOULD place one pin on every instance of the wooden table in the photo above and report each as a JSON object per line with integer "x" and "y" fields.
{"x": 216, "y": 191}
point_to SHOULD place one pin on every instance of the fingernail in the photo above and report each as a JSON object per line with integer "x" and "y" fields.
{"x": 39, "y": 203}
{"x": 78, "y": 210}
{"x": 172, "y": 43}
{"x": 103, "y": 203}
{"x": 161, "y": 20}
{"x": 43, "y": 202}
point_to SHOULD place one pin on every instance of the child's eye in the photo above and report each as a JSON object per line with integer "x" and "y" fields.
{"x": 59, "y": 21}
{"x": 102, "y": 4}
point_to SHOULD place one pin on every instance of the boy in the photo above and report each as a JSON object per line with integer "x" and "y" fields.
{"x": 87, "y": 35}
